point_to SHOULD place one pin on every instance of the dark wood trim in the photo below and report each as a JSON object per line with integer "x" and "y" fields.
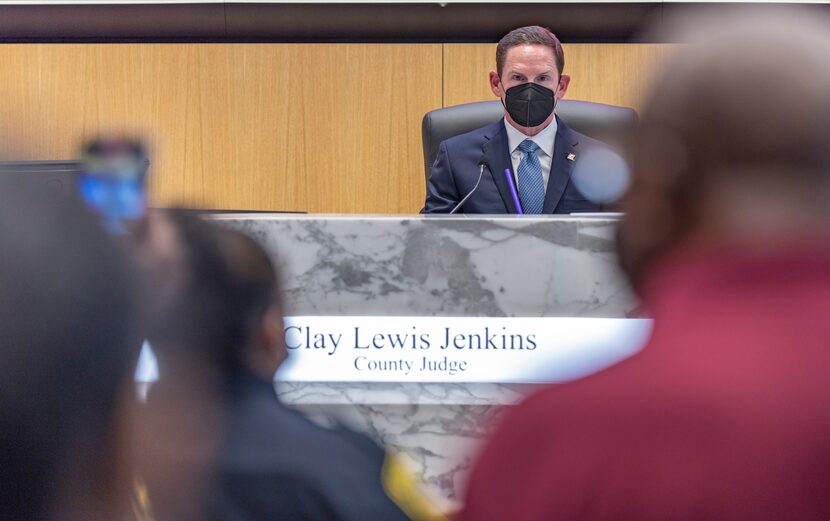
{"x": 125, "y": 22}
{"x": 431, "y": 22}
{"x": 282, "y": 22}
{"x": 345, "y": 22}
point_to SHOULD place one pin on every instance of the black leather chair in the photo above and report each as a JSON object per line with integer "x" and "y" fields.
{"x": 597, "y": 120}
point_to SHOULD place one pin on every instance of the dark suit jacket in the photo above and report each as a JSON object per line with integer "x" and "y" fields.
{"x": 276, "y": 464}
{"x": 456, "y": 169}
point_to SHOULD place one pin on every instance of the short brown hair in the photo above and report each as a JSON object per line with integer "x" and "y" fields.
{"x": 530, "y": 35}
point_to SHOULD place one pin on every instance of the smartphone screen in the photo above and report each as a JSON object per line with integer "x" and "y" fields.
{"x": 113, "y": 182}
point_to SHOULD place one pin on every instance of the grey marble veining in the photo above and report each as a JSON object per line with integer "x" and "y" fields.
{"x": 441, "y": 441}
{"x": 444, "y": 266}
{"x": 435, "y": 266}
{"x": 405, "y": 393}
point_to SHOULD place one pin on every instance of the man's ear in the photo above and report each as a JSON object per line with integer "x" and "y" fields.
{"x": 495, "y": 84}
{"x": 564, "y": 81}
{"x": 272, "y": 339}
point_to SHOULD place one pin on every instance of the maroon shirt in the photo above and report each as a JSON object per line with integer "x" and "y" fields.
{"x": 725, "y": 415}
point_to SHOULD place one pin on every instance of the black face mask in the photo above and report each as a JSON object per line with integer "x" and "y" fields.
{"x": 529, "y": 104}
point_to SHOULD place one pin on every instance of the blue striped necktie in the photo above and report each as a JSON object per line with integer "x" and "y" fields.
{"x": 531, "y": 185}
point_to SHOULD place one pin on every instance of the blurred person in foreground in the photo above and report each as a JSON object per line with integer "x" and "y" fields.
{"x": 726, "y": 412}
{"x": 67, "y": 349}
{"x": 218, "y": 316}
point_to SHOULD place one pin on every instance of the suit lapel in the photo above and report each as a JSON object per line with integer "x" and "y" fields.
{"x": 560, "y": 168}
{"x": 496, "y": 151}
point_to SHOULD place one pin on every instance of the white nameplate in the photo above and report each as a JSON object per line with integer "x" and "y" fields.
{"x": 455, "y": 349}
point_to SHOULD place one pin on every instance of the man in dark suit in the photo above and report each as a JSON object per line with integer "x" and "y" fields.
{"x": 530, "y": 141}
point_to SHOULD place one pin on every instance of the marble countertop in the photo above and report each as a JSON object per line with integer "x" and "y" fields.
{"x": 443, "y": 265}
{"x": 435, "y": 266}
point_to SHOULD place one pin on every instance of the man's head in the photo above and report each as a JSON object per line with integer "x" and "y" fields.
{"x": 528, "y": 58}
{"x": 733, "y": 141}
{"x": 214, "y": 295}
{"x": 67, "y": 347}
{"x": 212, "y": 314}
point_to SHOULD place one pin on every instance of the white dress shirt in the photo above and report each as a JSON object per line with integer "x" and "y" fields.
{"x": 544, "y": 139}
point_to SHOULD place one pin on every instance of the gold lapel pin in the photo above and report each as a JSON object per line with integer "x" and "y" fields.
{"x": 571, "y": 157}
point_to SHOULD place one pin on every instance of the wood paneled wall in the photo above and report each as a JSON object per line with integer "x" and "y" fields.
{"x": 318, "y": 128}
{"x": 618, "y": 74}
{"x": 331, "y": 128}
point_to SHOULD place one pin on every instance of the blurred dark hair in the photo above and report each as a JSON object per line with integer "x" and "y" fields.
{"x": 719, "y": 124}
{"x": 530, "y": 35}
{"x": 67, "y": 347}
{"x": 226, "y": 286}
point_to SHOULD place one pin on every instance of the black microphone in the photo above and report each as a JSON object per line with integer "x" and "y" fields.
{"x": 482, "y": 162}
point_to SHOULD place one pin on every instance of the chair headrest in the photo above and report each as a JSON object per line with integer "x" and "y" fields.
{"x": 596, "y": 120}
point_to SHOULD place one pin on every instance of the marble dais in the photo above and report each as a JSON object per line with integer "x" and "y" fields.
{"x": 499, "y": 266}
